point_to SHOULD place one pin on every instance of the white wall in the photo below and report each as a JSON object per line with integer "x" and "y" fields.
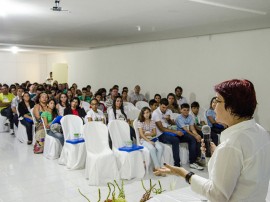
{"x": 21, "y": 67}
{"x": 196, "y": 64}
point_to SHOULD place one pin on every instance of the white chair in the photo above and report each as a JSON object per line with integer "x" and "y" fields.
{"x": 85, "y": 105}
{"x": 72, "y": 155}
{"x": 133, "y": 114}
{"x": 3, "y": 120}
{"x": 130, "y": 163}
{"x": 52, "y": 146}
{"x": 128, "y": 106}
{"x": 141, "y": 104}
{"x": 174, "y": 116}
{"x": 20, "y": 132}
{"x": 101, "y": 166}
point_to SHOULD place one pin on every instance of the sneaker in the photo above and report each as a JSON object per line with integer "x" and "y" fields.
{"x": 201, "y": 162}
{"x": 196, "y": 166}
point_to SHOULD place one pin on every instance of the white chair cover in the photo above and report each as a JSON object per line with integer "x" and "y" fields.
{"x": 52, "y": 146}
{"x": 183, "y": 153}
{"x": 268, "y": 194}
{"x": 128, "y": 106}
{"x": 146, "y": 153}
{"x": 20, "y": 132}
{"x": 85, "y": 105}
{"x": 130, "y": 163}
{"x": 101, "y": 166}
{"x": 133, "y": 114}
{"x": 3, "y": 120}
{"x": 72, "y": 155}
{"x": 174, "y": 116}
{"x": 141, "y": 104}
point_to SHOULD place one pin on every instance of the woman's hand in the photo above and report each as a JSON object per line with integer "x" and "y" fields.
{"x": 172, "y": 170}
{"x": 212, "y": 147}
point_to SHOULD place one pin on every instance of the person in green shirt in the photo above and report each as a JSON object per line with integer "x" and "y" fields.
{"x": 48, "y": 116}
{"x": 84, "y": 96}
{"x": 5, "y": 105}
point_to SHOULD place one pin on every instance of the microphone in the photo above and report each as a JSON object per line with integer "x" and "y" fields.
{"x": 206, "y": 131}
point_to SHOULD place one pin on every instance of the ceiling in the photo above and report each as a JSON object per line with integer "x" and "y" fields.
{"x": 31, "y": 25}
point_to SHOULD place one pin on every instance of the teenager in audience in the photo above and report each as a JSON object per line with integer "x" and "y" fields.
{"x": 157, "y": 97}
{"x": 25, "y": 117}
{"x": 162, "y": 117}
{"x": 125, "y": 96}
{"x": 48, "y": 116}
{"x": 153, "y": 104}
{"x": 94, "y": 114}
{"x": 216, "y": 127}
{"x": 75, "y": 86}
{"x": 185, "y": 123}
{"x": 63, "y": 103}
{"x": 110, "y": 98}
{"x": 12, "y": 90}
{"x": 101, "y": 106}
{"x": 5, "y": 106}
{"x": 179, "y": 98}
{"x": 117, "y": 113}
{"x": 69, "y": 95}
{"x": 173, "y": 106}
{"x": 198, "y": 119}
{"x": 84, "y": 97}
{"x": 136, "y": 96}
{"x": 75, "y": 108}
{"x": 147, "y": 131}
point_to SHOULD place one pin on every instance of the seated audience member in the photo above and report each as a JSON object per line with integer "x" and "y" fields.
{"x": 117, "y": 113}
{"x": 84, "y": 97}
{"x": 5, "y": 106}
{"x": 173, "y": 106}
{"x": 125, "y": 96}
{"x": 136, "y": 96}
{"x": 75, "y": 109}
{"x": 103, "y": 93}
{"x": 13, "y": 90}
{"x": 157, "y": 97}
{"x": 178, "y": 94}
{"x": 78, "y": 93}
{"x": 69, "y": 95}
{"x": 198, "y": 119}
{"x": 48, "y": 116}
{"x": 39, "y": 108}
{"x": 161, "y": 116}
{"x": 94, "y": 114}
{"x": 63, "y": 103}
{"x": 147, "y": 131}
{"x": 185, "y": 123}
{"x": 153, "y": 105}
{"x": 126, "y": 89}
{"x": 75, "y": 86}
{"x": 39, "y": 90}
{"x": 101, "y": 106}
{"x": 216, "y": 127}
{"x": 110, "y": 98}
{"x": 15, "y": 103}
{"x": 88, "y": 88}
{"x": 25, "y": 117}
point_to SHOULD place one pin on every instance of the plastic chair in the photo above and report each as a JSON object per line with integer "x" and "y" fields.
{"x": 130, "y": 163}
{"x": 52, "y": 146}
{"x": 101, "y": 166}
{"x": 86, "y": 106}
{"x": 72, "y": 155}
{"x": 141, "y": 104}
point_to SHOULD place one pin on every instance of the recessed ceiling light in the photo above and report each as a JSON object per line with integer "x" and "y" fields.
{"x": 14, "y": 49}
{"x": 139, "y": 28}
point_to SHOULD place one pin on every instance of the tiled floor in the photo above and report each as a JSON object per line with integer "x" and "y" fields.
{"x": 29, "y": 177}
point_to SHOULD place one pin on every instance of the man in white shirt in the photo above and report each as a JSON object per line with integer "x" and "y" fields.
{"x": 178, "y": 94}
{"x": 162, "y": 118}
{"x": 136, "y": 96}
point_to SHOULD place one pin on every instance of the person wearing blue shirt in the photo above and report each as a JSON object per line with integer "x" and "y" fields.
{"x": 184, "y": 122}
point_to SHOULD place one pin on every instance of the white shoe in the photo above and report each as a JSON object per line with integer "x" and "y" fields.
{"x": 196, "y": 166}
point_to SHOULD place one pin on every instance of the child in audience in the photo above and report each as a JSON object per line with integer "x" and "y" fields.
{"x": 48, "y": 117}
{"x": 153, "y": 104}
{"x": 147, "y": 131}
{"x": 94, "y": 114}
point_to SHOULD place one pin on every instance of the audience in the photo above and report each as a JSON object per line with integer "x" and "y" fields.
{"x": 173, "y": 106}
{"x": 178, "y": 94}
{"x": 15, "y": 103}
{"x": 157, "y": 97}
{"x": 62, "y": 104}
{"x": 136, "y": 96}
{"x": 153, "y": 104}
{"x": 75, "y": 109}
{"x": 94, "y": 114}
{"x": 110, "y": 98}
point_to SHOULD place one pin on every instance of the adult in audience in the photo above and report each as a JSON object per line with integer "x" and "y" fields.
{"x": 117, "y": 113}
{"x": 110, "y": 98}
{"x": 136, "y": 96}
{"x": 48, "y": 116}
{"x": 15, "y": 103}
{"x": 5, "y": 106}
{"x": 13, "y": 90}
{"x": 32, "y": 91}
{"x": 157, "y": 97}
{"x": 239, "y": 166}
{"x": 153, "y": 104}
{"x": 173, "y": 106}
{"x": 75, "y": 108}
{"x": 63, "y": 103}
{"x": 185, "y": 123}
{"x": 162, "y": 118}
{"x": 25, "y": 117}
{"x": 69, "y": 95}
{"x": 147, "y": 131}
{"x": 216, "y": 127}
{"x": 179, "y": 98}
{"x": 94, "y": 114}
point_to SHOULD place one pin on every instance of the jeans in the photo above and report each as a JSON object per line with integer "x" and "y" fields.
{"x": 7, "y": 112}
{"x": 192, "y": 146}
{"x": 29, "y": 129}
{"x": 174, "y": 141}
{"x": 58, "y": 136}
{"x": 155, "y": 152}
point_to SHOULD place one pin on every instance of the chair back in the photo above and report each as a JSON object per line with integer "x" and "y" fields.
{"x": 174, "y": 116}
{"x": 85, "y": 106}
{"x": 71, "y": 124}
{"x": 135, "y": 126}
{"x": 133, "y": 114}
{"x": 119, "y": 132}
{"x": 128, "y": 106}
{"x": 96, "y": 137}
{"x": 141, "y": 104}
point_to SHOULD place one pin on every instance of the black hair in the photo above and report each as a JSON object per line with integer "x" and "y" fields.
{"x": 121, "y": 107}
{"x": 141, "y": 117}
{"x": 178, "y": 88}
{"x": 175, "y": 105}
{"x": 195, "y": 104}
{"x": 185, "y": 105}
{"x": 164, "y": 101}
{"x": 152, "y": 102}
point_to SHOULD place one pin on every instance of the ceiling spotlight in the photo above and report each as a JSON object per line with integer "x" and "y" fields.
{"x": 139, "y": 28}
